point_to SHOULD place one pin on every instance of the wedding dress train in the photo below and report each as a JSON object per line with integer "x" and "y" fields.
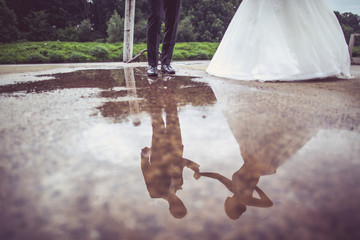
{"x": 282, "y": 40}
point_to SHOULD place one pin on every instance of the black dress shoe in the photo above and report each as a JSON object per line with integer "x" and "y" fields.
{"x": 167, "y": 69}
{"x": 152, "y": 71}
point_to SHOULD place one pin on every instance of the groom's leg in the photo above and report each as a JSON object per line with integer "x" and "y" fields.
{"x": 172, "y": 17}
{"x": 156, "y": 10}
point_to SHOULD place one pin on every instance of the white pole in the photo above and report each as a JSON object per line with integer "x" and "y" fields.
{"x": 129, "y": 29}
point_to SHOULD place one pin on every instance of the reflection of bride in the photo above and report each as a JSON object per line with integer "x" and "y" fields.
{"x": 282, "y": 40}
{"x": 267, "y": 139}
{"x": 243, "y": 184}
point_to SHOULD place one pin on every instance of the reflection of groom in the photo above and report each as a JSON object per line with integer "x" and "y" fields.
{"x": 163, "y": 164}
{"x": 157, "y": 9}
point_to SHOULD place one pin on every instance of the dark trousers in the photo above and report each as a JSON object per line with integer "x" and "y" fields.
{"x": 170, "y": 10}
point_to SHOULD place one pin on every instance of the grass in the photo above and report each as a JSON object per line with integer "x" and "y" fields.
{"x": 59, "y": 52}
{"x": 356, "y": 51}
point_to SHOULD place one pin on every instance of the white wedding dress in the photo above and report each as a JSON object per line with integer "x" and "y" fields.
{"x": 282, "y": 40}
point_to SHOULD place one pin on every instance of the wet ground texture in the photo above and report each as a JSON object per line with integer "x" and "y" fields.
{"x": 108, "y": 153}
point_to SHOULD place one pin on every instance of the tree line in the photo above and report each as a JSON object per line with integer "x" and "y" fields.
{"x": 103, "y": 20}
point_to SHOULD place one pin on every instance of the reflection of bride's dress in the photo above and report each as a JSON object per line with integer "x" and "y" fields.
{"x": 266, "y": 137}
{"x": 282, "y": 40}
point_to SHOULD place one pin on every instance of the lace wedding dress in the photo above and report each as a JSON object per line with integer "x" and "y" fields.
{"x": 282, "y": 40}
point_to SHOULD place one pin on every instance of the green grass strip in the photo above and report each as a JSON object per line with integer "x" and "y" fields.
{"x": 67, "y": 52}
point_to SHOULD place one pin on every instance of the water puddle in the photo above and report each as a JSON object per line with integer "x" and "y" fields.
{"x": 113, "y": 154}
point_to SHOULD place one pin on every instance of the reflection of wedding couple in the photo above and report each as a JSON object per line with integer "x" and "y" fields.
{"x": 162, "y": 171}
{"x": 266, "y": 40}
{"x": 163, "y": 164}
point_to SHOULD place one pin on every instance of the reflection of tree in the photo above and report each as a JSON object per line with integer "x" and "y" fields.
{"x": 186, "y": 92}
{"x": 118, "y": 76}
{"x": 162, "y": 165}
{"x": 79, "y": 79}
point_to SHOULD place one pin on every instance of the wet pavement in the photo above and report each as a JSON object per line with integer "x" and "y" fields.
{"x": 100, "y": 151}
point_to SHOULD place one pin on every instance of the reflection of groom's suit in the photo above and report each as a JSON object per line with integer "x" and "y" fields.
{"x": 157, "y": 8}
{"x": 163, "y": 164}
{"x": 164, "y": 171}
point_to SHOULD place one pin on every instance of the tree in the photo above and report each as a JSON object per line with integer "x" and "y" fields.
{"x": 102, "y": 11}
{"x": 8, "y": 21}
{"x": 39, "y": 28}
{"x": 210, "y": 18}
{"x": 68, "y": 34}
{"x": 115, "y": 28}
{"x": 62, "y": 13}
{"x": 350, "y": 23}
{"x": 186, "y": 31}
{"x": 85, "y": 31}
{"x": 140, "y": 30}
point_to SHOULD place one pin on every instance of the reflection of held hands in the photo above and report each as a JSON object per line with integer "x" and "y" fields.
{"x": 145, "y": 152}
{"x": 195, "y": 167}
{"x": 197, "y": 175}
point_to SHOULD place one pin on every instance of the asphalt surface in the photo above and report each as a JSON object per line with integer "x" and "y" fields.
{"x": 101, "y": 151}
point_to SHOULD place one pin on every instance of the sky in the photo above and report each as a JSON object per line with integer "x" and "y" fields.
{"x": 345, "y": 6}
